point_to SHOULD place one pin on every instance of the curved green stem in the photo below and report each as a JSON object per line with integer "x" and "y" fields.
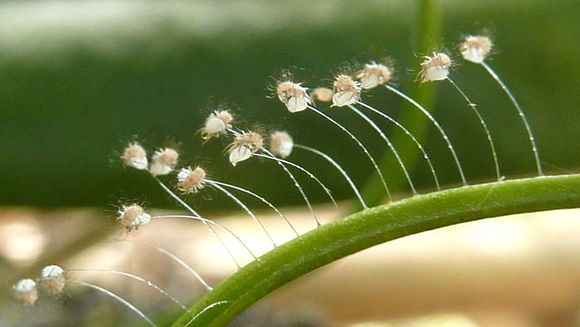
{"x": 378, "y": 225}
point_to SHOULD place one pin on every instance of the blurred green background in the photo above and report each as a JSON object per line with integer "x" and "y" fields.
{"x": 78, "y": 80}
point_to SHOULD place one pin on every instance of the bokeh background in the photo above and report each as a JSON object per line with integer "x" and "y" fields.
{"x": 81, "y": 79}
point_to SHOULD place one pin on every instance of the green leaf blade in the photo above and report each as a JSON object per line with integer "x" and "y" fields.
{"x": 375, "y": 226}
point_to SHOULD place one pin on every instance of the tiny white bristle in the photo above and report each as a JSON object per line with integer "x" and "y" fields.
{"x": 476, "y": 48}
{"x": 346, "y": 91}
{"x": 51, "y": 271}
{"x": 52, "y": 279}
{"x": 244, "y": 146}
{"x": 133, "y": 216}
{"x": 135, "y": 156}
{"x": 25, "y": 292}
{"x": 435, "y": 68}
{"x": 163, "y": 161}
{"x": 322, "y": 94}
{"x": 281, "y": 144}
{"x": 191, "y": 180}
{"x": 374, "y": 75}
{"x": 293, "y": 95}
{"x": 216, "y": 124}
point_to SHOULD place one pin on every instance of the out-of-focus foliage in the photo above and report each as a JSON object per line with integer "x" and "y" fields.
{"x": 80, "y": 79}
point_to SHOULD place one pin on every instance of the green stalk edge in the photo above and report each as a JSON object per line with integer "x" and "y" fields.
{"x": 374, "y": 226}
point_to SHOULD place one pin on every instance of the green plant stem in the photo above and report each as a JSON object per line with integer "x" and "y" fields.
{"x": 427, "y": 33}
{"x": 378, "y": 225}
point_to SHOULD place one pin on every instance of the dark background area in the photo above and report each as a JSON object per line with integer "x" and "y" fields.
{"x": 79, "y": 81}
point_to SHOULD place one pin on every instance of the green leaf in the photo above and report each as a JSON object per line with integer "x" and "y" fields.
{"x": 375, "y": 226}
